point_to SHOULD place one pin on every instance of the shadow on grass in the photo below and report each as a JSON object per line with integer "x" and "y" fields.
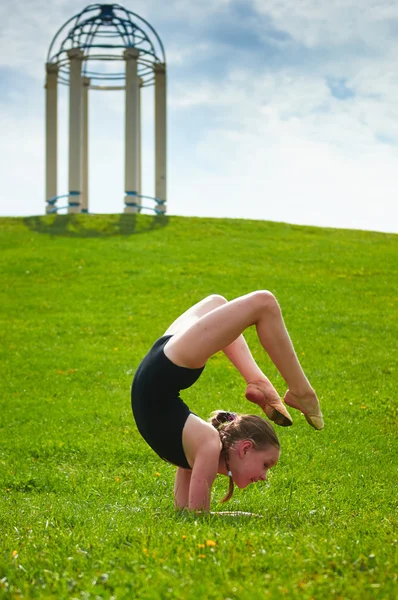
{"x": 81, "y": 225}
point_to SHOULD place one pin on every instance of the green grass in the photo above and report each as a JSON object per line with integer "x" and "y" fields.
{"x": 86, "y": 507}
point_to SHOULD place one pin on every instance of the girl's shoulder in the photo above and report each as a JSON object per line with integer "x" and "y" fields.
{"x": 197, "y": 436}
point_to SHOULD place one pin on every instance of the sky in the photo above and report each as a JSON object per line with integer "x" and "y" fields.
{"x": 281, "y": 110}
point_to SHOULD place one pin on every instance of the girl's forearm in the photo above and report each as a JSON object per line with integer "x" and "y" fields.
{"x": 199, "y": 496}
{"x": 203, "y": 475}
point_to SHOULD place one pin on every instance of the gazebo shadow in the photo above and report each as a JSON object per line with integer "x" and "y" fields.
{"x": 90, "y": 226}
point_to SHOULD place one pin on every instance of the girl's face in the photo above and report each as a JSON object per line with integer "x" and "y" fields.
{"x": 249, "y": 465}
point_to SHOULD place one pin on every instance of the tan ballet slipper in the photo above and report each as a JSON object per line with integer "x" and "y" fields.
{"x": 273, "y": 407}
{"x": 312, "y": 414}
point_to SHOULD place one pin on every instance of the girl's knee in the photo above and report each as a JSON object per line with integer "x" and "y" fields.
{"x": 217, "y": 300}
{"x": 265, "y": 300}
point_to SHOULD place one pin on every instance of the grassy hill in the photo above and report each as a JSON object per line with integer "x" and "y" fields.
{"x": 86, "y": 507}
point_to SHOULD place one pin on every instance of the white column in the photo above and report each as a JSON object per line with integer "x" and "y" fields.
{"x": 51, "y": 131}
{"x": 160, "y": 135}
{"x": 132, "y": 130}
{"x": 84, "y": 198}
{"x": 75, "y": 129}
{"x": 139, "y": 186}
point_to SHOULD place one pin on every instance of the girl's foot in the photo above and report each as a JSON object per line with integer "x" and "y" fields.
{"x": 256, "y": 392}
{"x": 308, "y": 404}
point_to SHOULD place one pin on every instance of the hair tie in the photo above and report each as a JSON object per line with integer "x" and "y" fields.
{"x": 230, "y": 416}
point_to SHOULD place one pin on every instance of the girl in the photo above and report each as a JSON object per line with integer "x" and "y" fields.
{"x": 243, "y": 447}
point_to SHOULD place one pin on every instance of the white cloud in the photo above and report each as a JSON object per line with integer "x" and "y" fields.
{"x": 258, "y": 178}
{"x": 287, "y": 160}
{"x": 277, "y": 144}
{"x": 325, "y": 23}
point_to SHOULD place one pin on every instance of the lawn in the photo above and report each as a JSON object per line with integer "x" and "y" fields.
{"x": 86, "y": 508}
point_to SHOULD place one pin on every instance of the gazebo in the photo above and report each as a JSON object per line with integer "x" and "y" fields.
{"x": 85, "y": 54}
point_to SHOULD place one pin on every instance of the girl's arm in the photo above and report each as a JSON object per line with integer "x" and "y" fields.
{"x": 204, "y": 472}
{"x": 181, "y": 488}
{"x": 202, "y": 447}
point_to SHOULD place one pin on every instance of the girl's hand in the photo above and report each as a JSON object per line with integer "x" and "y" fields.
{"x": 236, "y": 513}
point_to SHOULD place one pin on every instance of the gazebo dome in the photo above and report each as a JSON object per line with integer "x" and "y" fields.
{"x": 103, "y": 32}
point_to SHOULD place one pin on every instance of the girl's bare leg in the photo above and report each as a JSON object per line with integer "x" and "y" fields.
{"x": 194, "y": 313}
{"x": 220, "y": 327}
{"x": 259, "y": 390}
{"x": 237, "y": 352}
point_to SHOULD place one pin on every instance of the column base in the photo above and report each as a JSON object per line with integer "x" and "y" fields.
{"x": 132, "y": 203}
{"x": 74, "y": 206}
{"x": 160, "y": 209}
{"x": 131, "y": 209}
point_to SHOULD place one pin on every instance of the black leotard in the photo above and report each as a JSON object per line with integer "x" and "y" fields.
{"x": 159, "y": 412}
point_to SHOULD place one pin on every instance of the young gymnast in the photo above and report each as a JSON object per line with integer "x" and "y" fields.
{"x": 243, "y": 447}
